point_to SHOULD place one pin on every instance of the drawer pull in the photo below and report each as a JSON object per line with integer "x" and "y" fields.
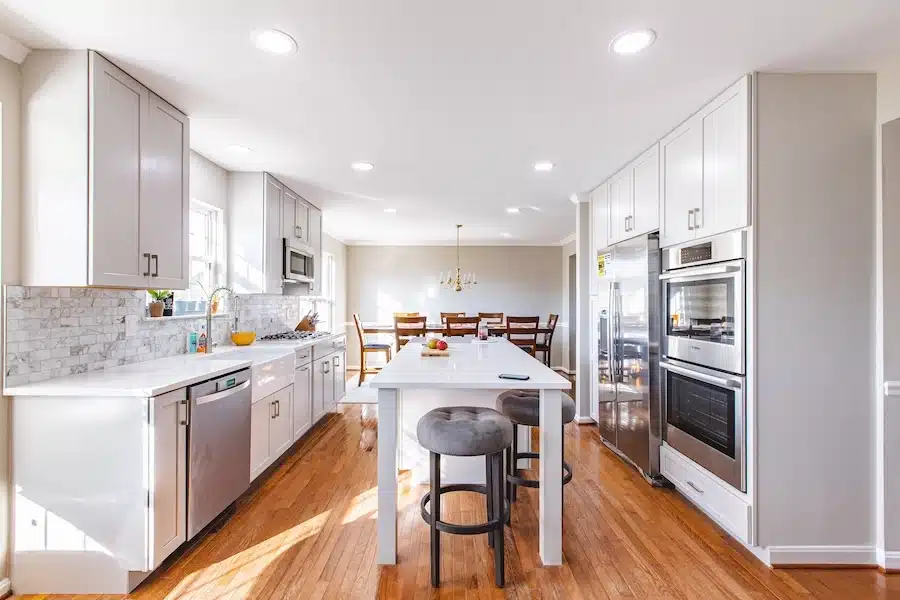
{"x": 694, "y": 486}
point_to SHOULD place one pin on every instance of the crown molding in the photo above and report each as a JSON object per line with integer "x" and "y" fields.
{"x": 568, "y": 239}
{"x": 13, "y": 50}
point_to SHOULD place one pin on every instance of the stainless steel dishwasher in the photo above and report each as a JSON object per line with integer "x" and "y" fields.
{"x": 218, "y": 447}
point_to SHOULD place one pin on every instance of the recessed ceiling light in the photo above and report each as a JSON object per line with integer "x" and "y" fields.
{"x": 535, "y": 208}
{"x": 632, "y": 42}
{"x": 543, "y": 166}
{"x": 390, "y": 210}
{"x": 362, "y": 166}
{"x": 238, "y": 149}
{"x": 274, "y": 41}
{"x": 573, "y": 198}
{"x": 506, "y": 235}
{"x": 512, "y": 210}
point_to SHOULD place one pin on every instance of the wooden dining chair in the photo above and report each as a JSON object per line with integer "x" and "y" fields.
{"x": 547, "y": 342}
{"x": 523, "y": 332}
{"x": 451, "y": 314}
{"x": 492, "y": 319}
{"x": 459, "y": 326}
{"x": 406, "y": 328}
{"x": 365, "y": 349}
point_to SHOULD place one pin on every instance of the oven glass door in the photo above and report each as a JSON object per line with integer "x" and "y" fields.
{"x": 705, "y": 419}
{"x": 704, "y": 316}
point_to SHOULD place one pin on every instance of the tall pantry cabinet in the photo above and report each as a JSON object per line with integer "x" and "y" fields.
{"x": 105, "y": 177}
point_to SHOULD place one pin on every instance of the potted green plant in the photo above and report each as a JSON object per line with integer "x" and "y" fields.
{"x": 158, "y": 304}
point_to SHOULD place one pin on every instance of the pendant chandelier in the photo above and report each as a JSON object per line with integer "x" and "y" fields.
{"x": 461, "y": 281}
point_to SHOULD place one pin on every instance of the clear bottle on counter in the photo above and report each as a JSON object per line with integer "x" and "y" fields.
{"x": 202, "y": 340}
{"x": 483, "y": 330}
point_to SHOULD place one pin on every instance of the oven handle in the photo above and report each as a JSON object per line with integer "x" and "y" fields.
{"x": 733, "y": 384}
{"x": 700, "y": 272}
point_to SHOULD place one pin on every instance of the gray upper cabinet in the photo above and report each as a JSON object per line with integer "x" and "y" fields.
{"x": 265, "y": 215}
{"x": 105, "y": 177}
{"x": 315, "y": 240}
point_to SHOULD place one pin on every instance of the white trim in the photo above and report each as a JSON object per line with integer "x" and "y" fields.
{"x": 4, "y": 587}
{"x": 14, "y": 51}
{"x": 888, "y": 560}
{"x": 782, "y": 556}
{"x": 563, "y": 369}
{"x": 892, "y": 388}
{"x": 568, "y": 239}
{"x": 581, "y": 420}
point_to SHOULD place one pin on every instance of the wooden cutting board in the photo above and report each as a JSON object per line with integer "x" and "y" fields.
{"x": 430, "y": 352}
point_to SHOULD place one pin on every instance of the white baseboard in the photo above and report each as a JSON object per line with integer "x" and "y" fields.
{"x": 4, "y": 587}
{"x": 787, "y": 556}
{"x": 583, "y": 420}
{"x": 889, "y": 560}
{"x": 564, "y": 370}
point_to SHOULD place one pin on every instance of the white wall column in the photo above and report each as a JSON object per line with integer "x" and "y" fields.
{"x": 583, "y": 261}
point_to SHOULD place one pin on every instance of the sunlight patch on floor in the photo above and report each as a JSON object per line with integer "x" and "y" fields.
{"x": 242, "y": 569}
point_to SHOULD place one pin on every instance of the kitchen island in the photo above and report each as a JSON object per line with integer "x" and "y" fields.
{"x": 412, "y": 384}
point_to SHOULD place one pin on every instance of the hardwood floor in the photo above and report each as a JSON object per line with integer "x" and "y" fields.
{"x": 309, "y": 532}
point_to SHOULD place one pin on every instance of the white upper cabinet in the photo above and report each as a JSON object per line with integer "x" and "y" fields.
{"x": 599, "y": 228}
{"x": 315, "y": 240}
{"x": 706, "y": 170}
{"x": 272, "y": 237}
{"x": 621, "y": 206}
{"x": 682, "y": 182}
{"x": 634, "y": 198}
{"x": 726, "y": 162}
{"x": 645, "y": 186}
{"x": 105, "y": 177}
{"x": 264, "y": 215}
{"x": 164, "y": 193}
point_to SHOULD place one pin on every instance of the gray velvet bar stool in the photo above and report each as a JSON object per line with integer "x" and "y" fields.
{"x": 466, "y": 431}
{"x": 522, "y": 407}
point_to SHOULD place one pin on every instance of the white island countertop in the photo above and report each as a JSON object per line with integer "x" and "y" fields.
{"x": 470, "y": 365}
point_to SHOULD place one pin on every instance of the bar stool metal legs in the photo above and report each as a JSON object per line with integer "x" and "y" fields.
{"x": 513, "y": 479}
{"x": 497, "y": 513}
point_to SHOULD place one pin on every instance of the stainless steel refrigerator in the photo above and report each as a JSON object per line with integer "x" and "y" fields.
{"x": 627, "y": 321}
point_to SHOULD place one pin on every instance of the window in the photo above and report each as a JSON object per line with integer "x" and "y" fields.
{"x": 206, "y": 253}
{"x": 325, "y": 304}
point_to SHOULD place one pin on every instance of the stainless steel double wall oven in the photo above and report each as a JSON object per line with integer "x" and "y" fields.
{"x": 704, "y": 362}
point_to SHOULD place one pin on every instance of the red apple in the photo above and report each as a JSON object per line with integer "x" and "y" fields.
{"x": 442, "y": 345}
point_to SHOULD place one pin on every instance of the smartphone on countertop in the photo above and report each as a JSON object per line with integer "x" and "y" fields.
{"x": 515, "y": 377}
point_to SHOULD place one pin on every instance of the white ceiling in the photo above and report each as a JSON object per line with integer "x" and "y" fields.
{"x": 452, "y": 101}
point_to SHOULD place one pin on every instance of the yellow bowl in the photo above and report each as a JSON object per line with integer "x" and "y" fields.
{"x": 243, "y": 338}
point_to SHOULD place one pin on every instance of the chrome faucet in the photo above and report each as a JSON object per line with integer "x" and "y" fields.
{"x": 209, "y": 301}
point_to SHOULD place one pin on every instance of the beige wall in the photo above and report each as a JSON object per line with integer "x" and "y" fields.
{"x": 887, "y": 327}
{"x": 516, "y": 280}
{"x": 10, "y": 223}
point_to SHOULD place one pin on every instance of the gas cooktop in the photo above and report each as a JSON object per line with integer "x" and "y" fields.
{"x": 294, "y": 335}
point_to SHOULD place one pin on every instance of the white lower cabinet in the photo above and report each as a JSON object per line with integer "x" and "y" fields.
{"x": 339, "y": 365}
{"x": 302, "y": 410}
{"x": 323, "y": 387}
{"x": 260, "y": 455}
{"x": 168, "y": 502}
{"x": 714, "y": 497}
{"x": 281, "y": 425}
{"x": 271, "y": 429}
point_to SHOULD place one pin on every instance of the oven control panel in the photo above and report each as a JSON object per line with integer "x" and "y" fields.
{"x": 695, "y": 254}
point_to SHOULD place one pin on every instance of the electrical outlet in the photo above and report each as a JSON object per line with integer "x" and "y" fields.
{"x": 131, "y": 325}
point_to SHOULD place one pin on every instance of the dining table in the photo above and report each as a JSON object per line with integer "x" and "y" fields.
{"x": 412, "y": 384}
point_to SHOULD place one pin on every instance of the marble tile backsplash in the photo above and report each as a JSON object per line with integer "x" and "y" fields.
{"x": 54, "y": 332}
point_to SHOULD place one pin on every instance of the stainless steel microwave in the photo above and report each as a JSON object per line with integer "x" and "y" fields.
{"x": 299, "y": 264}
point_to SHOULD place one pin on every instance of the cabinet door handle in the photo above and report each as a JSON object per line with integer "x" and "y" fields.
{"x": 325, "y": 366}
{"x": 298, "y": 232}
{"x": 690, "y": 226}
{"x": 694, "y": 486}
{"x": 147, "y": 272}
{"x": 186, "y": 420}
{"x": 337, "y": 361}
{"x": 155, "y": 258}
{"x": 697, "y": 223}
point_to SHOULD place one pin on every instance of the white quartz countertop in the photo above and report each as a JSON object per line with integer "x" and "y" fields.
{"x": 155, "y": 377}
{"x": 471, "y": 365}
